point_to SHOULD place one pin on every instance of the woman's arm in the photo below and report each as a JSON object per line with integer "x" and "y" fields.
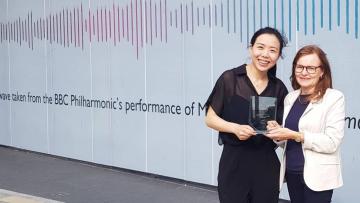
{"x": 326, "y": 142}
{"x": 330, "y": 140}
{"x": 280, "y": 134}
{"x": 212, "y": 120}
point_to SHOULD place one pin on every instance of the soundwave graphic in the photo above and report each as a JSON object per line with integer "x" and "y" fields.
{"x": 142, "y": 22}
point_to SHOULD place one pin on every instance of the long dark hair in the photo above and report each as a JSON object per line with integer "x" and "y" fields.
{"x": 272, "y": 31}
{"x": 325, "y": 80}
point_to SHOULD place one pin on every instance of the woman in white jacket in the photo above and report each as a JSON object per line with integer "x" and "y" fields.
{"x": 313, "y": 128}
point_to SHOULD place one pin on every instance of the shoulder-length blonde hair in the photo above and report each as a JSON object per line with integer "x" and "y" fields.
{"x": 325, "y": 80}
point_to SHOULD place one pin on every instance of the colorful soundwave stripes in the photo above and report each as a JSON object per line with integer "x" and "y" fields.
{"x": 143, "y": 21}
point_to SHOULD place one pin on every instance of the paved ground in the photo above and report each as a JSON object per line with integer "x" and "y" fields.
{"x": 7, "y": 196}
{"x": 38, "y": 178}
{"x": 72, "y": 181}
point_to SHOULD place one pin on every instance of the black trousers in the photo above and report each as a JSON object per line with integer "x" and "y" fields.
{"x": 300, "y": 193}
{"x": 248, "y": 175}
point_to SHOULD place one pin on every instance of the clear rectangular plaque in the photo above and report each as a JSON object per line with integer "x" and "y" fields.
{"x": 261, "y": 110}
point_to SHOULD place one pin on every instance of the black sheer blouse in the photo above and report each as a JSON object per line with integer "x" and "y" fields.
{"x": 230, "y": 100}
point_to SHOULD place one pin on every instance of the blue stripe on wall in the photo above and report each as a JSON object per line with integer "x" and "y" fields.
{"x": 267, "y": 12}
{"x": 290, "y": 14}
{"x": 313, "y": 17}
{"x": 305, "y": 17}
{"x": 228, "y": 16}
{"x": 322, "y": 13}
{"x": 247, "y": 22}
{"x": 282, "y": 17}
{"x": 261, "y": 10}
{"x": 234, "y": 16}
{"x": 254, "y": 19}
{"x": 222, "y": 15}
{"x": 338, "y": 12}
{"x": 347, "y": 16}
{"x": 356, "y": 19}
{"x": 297, "y": 16}
{"x": 241, "y": 30}
{"x": 275, "y": 14}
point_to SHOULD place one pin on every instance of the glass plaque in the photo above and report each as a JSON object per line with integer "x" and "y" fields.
{"x": 261, "y": 110}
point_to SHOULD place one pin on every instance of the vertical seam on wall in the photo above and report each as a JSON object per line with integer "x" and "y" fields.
{"x": 9, "y": 78}
{"x": 46, "y": 87}
{"x": 211, "y": 84}
{"x": 110, "y": 85}
{"x": 297, "y": 30}
{"x": 91, "y": 96}
{"x": 183, "y": 96}
{"x": 145, "y": 92}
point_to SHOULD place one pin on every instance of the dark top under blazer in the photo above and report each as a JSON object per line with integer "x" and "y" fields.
{"x": 294, "y": 154}
{"x": 230, "y": 100}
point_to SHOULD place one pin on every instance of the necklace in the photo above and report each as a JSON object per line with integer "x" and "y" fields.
{"x": 258, "y": 80}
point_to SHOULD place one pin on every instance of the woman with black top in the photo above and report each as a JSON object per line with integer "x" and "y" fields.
{"x": 314, "y": 119}
{"x": 249, "y": 167}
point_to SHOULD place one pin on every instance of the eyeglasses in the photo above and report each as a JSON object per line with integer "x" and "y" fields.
{"x": 309, "y": 69}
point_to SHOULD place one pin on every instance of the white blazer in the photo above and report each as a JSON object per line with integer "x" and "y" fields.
{"x": 322, "y": 124}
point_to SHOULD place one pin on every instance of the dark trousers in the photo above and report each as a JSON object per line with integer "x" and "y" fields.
{"x": 248, "y": 175}
{"x": 300, "y": 193}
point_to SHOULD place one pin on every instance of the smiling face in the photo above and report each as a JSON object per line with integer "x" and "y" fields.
{"x": 308, "y": 81}
{"x": 265, "y": 52}
{"x": 311, "y": 72}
